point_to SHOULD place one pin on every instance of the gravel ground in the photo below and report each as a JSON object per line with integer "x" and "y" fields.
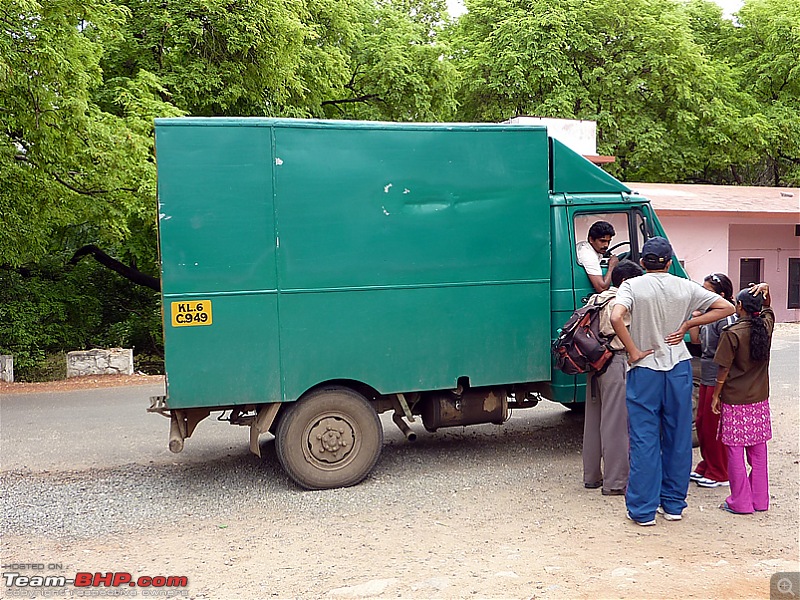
{"x": 58, "y": 503}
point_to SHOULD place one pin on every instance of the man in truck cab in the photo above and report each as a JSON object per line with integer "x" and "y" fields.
{"x": 592, "y": 250}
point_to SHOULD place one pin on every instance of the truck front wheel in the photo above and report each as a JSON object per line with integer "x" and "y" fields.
{"x": 330, "y": 438}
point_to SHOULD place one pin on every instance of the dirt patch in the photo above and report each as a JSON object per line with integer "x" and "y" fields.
{"x": 79, "y": 383}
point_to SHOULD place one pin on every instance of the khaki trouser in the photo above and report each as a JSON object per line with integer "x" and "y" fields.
{"x": 605, "y": 429}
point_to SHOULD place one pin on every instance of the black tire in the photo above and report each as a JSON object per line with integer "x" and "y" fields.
{"x": 328, "y": 439}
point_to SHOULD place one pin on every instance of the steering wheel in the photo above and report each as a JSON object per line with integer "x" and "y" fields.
{"x": 624, "y": 255}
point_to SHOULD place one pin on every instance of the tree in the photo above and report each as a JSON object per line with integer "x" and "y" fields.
{"x": 765, "y": 54}
{"x": 70, "y": 172}
{"x": 75, "y": 169}
{"x": 214, "y": 57}
{"x": 633, "y": 66}
{"x": 397, "y": 71}
{"x": 80, "y": 86}
{"x": 319, "y": 58}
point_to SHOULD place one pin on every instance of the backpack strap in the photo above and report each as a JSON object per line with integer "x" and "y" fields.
{"x": 602, "y": 304}
{"x": 594, "y": 300}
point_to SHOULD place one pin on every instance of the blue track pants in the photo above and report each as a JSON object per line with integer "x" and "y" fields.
{"x": 660, "y": 429}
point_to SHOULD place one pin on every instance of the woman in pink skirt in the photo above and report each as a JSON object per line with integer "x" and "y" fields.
{"x": 741, "y": 397}
{"x": 712, "y": 470}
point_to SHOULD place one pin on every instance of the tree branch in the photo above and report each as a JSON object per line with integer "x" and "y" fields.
{"x": 364, "y": 98}
{"x": 104, "y": 259}
{"x": 89, "y": 192}
{"x": 791, "y": 159}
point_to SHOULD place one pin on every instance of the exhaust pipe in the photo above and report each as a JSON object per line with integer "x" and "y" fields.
{"x": 176, "y": 436}
{"x": 398, "y": 420}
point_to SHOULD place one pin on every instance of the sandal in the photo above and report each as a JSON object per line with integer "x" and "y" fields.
{"x": 724, "y": 506}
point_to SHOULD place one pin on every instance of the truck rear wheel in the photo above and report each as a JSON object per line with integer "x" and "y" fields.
{"x": 330, "y": 438}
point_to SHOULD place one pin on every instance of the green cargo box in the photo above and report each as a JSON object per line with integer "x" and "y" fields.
{"x": 403, "y": 257}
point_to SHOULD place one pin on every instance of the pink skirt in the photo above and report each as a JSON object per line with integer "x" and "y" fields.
{"x": 745, "y": 424}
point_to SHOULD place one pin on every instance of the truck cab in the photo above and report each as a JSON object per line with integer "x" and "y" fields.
{"x": 634, "y": 222}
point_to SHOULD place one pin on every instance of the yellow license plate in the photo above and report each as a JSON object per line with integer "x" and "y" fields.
{"x": 191, "y": 312}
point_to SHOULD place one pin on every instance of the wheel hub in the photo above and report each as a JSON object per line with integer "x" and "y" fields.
{"x": 331, "y": 440}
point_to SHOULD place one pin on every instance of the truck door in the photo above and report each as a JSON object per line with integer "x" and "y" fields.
{"x": 571, "y": 286}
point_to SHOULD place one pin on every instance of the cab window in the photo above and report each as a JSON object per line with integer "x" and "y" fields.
{"x": 626, "y": 241}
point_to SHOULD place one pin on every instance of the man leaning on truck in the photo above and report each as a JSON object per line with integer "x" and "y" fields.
{"x": 605, "y": 426}
{"x": 592, "y": 250}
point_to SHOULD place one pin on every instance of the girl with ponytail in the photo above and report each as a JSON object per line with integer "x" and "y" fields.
{"x": 741, "y": 398}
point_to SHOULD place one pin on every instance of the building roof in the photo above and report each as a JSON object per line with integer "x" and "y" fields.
{"x": 685, "y": 199}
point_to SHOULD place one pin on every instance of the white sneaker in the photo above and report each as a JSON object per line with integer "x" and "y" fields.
{"x": 642, "y": 523}
{"x": 694, "y": 476}
{"x": 667, "y": 516}
{"x": 705, "y": 482}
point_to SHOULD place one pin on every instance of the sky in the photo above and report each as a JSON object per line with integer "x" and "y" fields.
{"x": 456, "y": 7}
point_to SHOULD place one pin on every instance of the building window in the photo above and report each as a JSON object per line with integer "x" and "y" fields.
{"x": 750, "y": 271}
{"x": 794, "y": 283}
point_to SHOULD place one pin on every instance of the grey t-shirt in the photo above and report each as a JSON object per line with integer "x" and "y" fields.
{"x": 709, "y": 340}
{"x": 659, "y": 303}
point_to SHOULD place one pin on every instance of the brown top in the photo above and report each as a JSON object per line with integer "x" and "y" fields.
{"x": 605, "y": 318}
{"x": 748, "y": 380}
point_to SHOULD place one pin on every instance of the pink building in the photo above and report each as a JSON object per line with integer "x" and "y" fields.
{"x": 750, "y": 233}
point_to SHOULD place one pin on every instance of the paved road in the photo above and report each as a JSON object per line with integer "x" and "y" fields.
{"x": 109, "y": 428}
{"x": 102, "y": 428}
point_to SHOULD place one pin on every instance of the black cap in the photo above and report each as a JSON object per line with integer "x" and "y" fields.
{"x": 657, "y": 250}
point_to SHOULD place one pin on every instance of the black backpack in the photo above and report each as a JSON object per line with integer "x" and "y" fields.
{"x": 580, "y": 347}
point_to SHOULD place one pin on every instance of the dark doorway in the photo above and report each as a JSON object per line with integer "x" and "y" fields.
{"x": 750, "y": 270}
{"x": 794, "y": 283}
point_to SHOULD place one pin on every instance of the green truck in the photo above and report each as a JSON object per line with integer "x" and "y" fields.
{"x": 318, "y": 273}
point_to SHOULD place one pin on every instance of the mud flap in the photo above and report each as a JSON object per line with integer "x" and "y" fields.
{"x": 261, "y": 424}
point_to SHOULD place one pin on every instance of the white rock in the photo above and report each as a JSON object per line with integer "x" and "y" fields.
{"x": 434, "y": 583}
{"x": 364, "y": 590}
{"x": 720, "y": 563}
{"x": 549, "y": 569}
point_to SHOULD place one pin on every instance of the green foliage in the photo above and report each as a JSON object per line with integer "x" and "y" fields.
{"x": 213, "y": 57}
{"x": 631, "y": 65}
{"x": 765, "y": 54}
{"x": 397, "y": 73}
{"x": 47, "y": 310}
{"x": 708, "y": 27}
{"x": 71, "y": 173}
{"x": 679, "y": 94}
{"x": 295, "y": 59}
{"x": 53, "y": 367}
{"x": 756, "y": 141}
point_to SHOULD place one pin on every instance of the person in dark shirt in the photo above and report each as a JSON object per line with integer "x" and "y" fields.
{"x": 712, "y": 470}
{"x": 741, "y": 397}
